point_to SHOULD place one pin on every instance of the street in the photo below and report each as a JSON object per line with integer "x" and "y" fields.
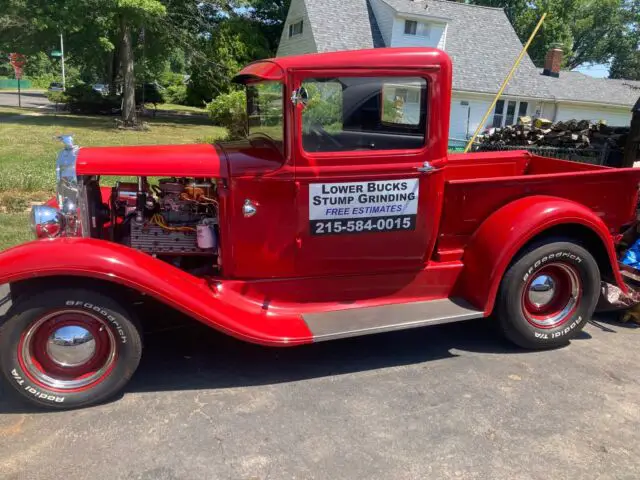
{"x": 453, "y": 401}
{"x": 29, "y": 99}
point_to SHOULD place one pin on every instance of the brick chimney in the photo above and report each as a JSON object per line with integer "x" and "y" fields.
{"x": 553, "y": 62}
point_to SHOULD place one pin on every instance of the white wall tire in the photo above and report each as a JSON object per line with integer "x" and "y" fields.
{"x": 548, "y": 294}
{"x": 68, "y": 348}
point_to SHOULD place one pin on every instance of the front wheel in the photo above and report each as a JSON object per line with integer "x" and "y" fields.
{"x": 67, "y": 348}
{"x": 548, "y": 294}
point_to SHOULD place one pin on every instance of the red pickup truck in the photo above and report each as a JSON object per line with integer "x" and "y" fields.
{"x": 341, "y": 214}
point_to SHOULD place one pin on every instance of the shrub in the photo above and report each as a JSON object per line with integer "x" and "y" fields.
{"x": 57, "y": 97}
{"x": 43, "y": 81}
{"x": 152, "y": 94}
{"x": 176, "y": 94}
{"x": 229, "y": 110}
{"x": 82, "y": 98}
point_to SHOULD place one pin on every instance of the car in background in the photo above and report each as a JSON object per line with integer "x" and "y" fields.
{"x": 101, "y": 88}
{"x": 56, "y": 87}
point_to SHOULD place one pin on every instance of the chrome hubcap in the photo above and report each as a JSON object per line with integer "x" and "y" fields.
{"x": 71, "y": 346}
{"x": 67, "y": 350}
{"x": 552, "y": 295}
{"x": 542, "y": 290}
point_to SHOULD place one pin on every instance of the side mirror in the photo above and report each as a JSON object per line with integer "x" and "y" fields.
{"x": 300, "y": 96}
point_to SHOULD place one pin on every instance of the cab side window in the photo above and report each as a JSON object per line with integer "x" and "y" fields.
{"x": 364, "y": 113}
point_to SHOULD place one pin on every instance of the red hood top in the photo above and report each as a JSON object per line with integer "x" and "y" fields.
{"x": 200, "y": 160}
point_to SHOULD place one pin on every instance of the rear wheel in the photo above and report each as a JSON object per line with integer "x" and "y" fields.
{"x": 548, "y": 294}
{"x": 68, "y": 348}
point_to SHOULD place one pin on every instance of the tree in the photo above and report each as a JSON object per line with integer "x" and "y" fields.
{"x": 132, "y": 14}
{"x": 589, "y": 31}
{"x": 626, "y": 59}
{"x": 626, "y": 64}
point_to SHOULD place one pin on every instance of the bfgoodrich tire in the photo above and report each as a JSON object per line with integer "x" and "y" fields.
{"x": 68, "y": 348}
{"x": 548, "y": 294}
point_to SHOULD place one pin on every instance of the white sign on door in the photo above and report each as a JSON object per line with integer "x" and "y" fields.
{"x": 360, "y": 207}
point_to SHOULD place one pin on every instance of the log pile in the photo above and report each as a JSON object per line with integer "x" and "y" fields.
{"x": 578, "y": 134}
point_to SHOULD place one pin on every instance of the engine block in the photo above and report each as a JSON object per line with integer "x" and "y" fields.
{"x": 154, "y": 239}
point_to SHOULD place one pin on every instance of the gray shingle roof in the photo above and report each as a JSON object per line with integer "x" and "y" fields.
{"x": 577, "y": 86}
{"x": 340, "y": 24}
{"x": 483, "y": 46}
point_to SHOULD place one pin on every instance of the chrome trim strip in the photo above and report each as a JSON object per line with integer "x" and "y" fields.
{"x": 369, "y": 320}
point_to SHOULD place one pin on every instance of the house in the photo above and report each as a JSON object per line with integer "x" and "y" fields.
{"x": 580, "y": 96}
{"x": 482, "y": 44}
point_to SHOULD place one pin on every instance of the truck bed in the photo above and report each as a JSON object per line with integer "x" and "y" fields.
{"x": 477, "y": 184}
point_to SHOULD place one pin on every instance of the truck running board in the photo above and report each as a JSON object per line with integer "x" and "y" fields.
{"x": 365, "y": 321}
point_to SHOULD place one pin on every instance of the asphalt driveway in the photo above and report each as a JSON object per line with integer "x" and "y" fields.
{"x": 452, "y": 401}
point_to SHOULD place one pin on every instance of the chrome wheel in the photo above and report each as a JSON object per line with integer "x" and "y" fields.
{"x": 68, "y": 350}
{"x": 71, "y": 346}
{"x": 551, "y": 295}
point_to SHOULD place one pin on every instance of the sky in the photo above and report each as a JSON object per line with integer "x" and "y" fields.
{"x": 598, "y": 70}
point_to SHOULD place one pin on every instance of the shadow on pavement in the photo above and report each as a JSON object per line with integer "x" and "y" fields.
{"x": 191, "y": 356}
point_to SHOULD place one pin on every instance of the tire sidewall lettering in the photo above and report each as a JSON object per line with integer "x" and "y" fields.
{"x": 561, "y": 255}
{"x": 102, "y": 312}
{"x": 559, "y": 333}
{"x": 30, "y": 389}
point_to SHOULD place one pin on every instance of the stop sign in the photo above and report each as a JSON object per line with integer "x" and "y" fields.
{"x": 17, "y": 61}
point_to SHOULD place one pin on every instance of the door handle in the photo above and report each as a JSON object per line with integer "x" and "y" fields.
{"x": 426, "y": 168}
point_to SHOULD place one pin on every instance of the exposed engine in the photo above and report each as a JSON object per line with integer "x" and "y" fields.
{"x": 176, "y": 217}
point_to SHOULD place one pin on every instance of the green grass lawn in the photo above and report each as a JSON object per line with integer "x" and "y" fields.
{"x": 29, "y": 149}
{"x": 14, "y": 229}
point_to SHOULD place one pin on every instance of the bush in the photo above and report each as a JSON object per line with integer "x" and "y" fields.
{"x": 57, "y": 97}
{"x": 43, "y": 81}
{"x": 176, "y": 94}
{"x": 82, "y": 98}
{"x": 229, "y": 110}
{"x": 152, "y": 94}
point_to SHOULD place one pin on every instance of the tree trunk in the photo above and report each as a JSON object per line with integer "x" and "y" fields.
{"x": 128, "y": 78}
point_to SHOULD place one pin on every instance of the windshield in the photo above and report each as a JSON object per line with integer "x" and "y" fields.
{"x": 264, "y": 109}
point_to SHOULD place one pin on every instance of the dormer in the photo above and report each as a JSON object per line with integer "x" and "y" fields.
{"x": 411, "y": 27}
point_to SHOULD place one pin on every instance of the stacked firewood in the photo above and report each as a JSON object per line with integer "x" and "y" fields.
{"x": 568, "y": 134}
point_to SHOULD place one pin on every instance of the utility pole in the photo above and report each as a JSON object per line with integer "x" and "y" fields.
{"x": 64, "y": 83}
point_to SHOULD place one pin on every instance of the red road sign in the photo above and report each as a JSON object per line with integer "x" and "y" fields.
{"x": 17, "y": 61}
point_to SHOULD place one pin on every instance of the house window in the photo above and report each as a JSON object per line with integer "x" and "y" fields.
{"x": 295, "y": 29}
{"x": 347, "y": 114}
{"x": 511, "y": 112}
{"x": 410, "y": 27}
{"x": 501, "y": 119}
{"x": 498, "y": 114}
{"x": 425, "y": 30}
{"x": 522, "y": 109}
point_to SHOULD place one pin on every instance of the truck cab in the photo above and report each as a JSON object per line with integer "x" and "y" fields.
{"x": 362, "y": 153}
{"x": 341, "y": 214}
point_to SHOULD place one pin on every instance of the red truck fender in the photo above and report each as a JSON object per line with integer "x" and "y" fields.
{"x": 208, "y": 302}
{"x": 501, "y": 236}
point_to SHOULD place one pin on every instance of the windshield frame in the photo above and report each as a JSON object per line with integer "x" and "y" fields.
{"x": 253, "y": 92}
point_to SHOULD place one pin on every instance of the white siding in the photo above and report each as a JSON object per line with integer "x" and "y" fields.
{"x": 434, "y": 39}
{"x": 384, "y": 16}
{"x": 547, "y": 110}
{"x": 614, "y": 116}
{"x": 471, "y": 113}
{"x": 298, "y": 44}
